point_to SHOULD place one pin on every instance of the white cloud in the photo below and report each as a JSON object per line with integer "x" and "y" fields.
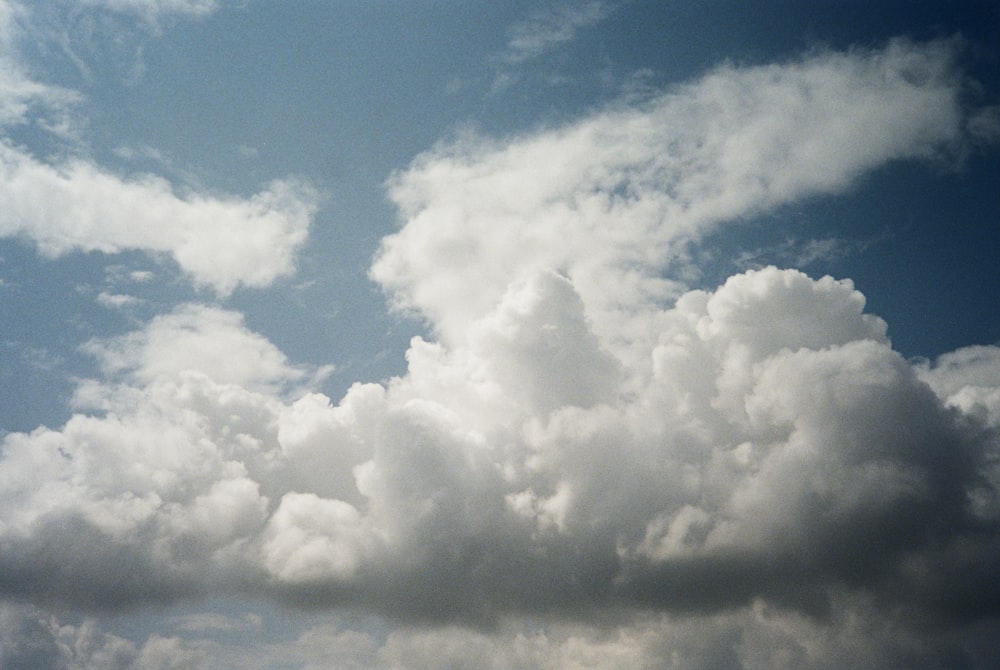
{"x": 116, "y": 300}
{"x": 771, "y": 448}
{"x": 222, "y": 242}
{"x": 968, "y": 379}
{"x": 610, "y": 199}
{"x": 746, "y": 476}
{"x": 154, "y": 9}
{"x": 547, "y": 30}
{"x": 198, "y": 339}
{"x": 73, "y": 204}
{"x": 21, "y": 97}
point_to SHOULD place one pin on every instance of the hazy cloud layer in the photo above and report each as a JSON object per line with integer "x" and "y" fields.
{"x": 748, "y": 476}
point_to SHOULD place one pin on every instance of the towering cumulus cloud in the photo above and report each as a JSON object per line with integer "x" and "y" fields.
{"x": 748, "y": 476}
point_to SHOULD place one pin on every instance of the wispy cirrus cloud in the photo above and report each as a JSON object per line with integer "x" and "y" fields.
{"x": 156, "y": 9}
{"x": 22, "y": 98}
{"x": 546, "y": 30}
{"x": 221, "y": 242}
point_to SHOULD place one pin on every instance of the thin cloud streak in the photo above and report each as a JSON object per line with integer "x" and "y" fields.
{"x": 546, "y": 31}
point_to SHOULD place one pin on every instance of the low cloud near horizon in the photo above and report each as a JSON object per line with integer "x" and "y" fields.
{"x": 746, "y": 476}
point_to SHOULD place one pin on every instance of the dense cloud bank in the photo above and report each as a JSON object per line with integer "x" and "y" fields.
{"x": 748, "y": 476}
{"x": 774, "y": 457}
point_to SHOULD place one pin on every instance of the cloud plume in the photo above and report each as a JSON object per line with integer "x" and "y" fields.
{"x": 610, "y": 200}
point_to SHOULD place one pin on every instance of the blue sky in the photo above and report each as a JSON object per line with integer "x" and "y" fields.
{"x": 439, "y": 334}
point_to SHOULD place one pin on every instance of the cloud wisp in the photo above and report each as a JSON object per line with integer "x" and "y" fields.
{"x": 748, "y": 475}
{"x": 548, "y": 30}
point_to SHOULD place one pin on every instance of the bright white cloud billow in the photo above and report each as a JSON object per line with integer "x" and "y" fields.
{"x": 73, "y": 204}
{"x": 610, "y": 200}
{"x": 747, "y": 476}
{"x": 221, "y": 242}
{"x": 777, "y": 452}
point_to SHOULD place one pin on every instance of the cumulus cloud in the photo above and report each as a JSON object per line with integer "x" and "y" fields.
{"x": 746, "y": 476}
{"x": 221, "y": 242}
{"x": 611, "y": 199}
{"x": 196, "y": 338}
{"x": 774, "y": 449}
{"x": 70, "y": 205}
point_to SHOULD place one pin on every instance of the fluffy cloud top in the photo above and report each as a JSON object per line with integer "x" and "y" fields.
{"x": 610, "y": 200}
{"x": 195, "y": 338}
{"x": 793, "y": 462}
{"x": 763, "y": 477}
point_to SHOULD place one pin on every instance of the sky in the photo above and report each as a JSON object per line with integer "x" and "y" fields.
{"x": 426, "y": 335}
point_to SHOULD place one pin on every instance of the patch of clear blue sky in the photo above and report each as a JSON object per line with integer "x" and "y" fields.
{"x": 344, "y": 93}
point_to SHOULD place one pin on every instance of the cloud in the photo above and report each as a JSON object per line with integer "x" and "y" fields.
{"x": 30, "y": 639}
{"x": 747, "y": 476}
{"x": 754, "y": 638}
{"x": 65, "y": 205}
{"x": 773, "y": 449}
{"x": 116, "y": 300}
{"x": 547, "y": 30}
{"x": 611, "y": 199}
{"x": 221, "y": 242}
{"x": 200, "y": 339}
{"x": 21, "y": 97}
{"x": 152, "y": 10}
